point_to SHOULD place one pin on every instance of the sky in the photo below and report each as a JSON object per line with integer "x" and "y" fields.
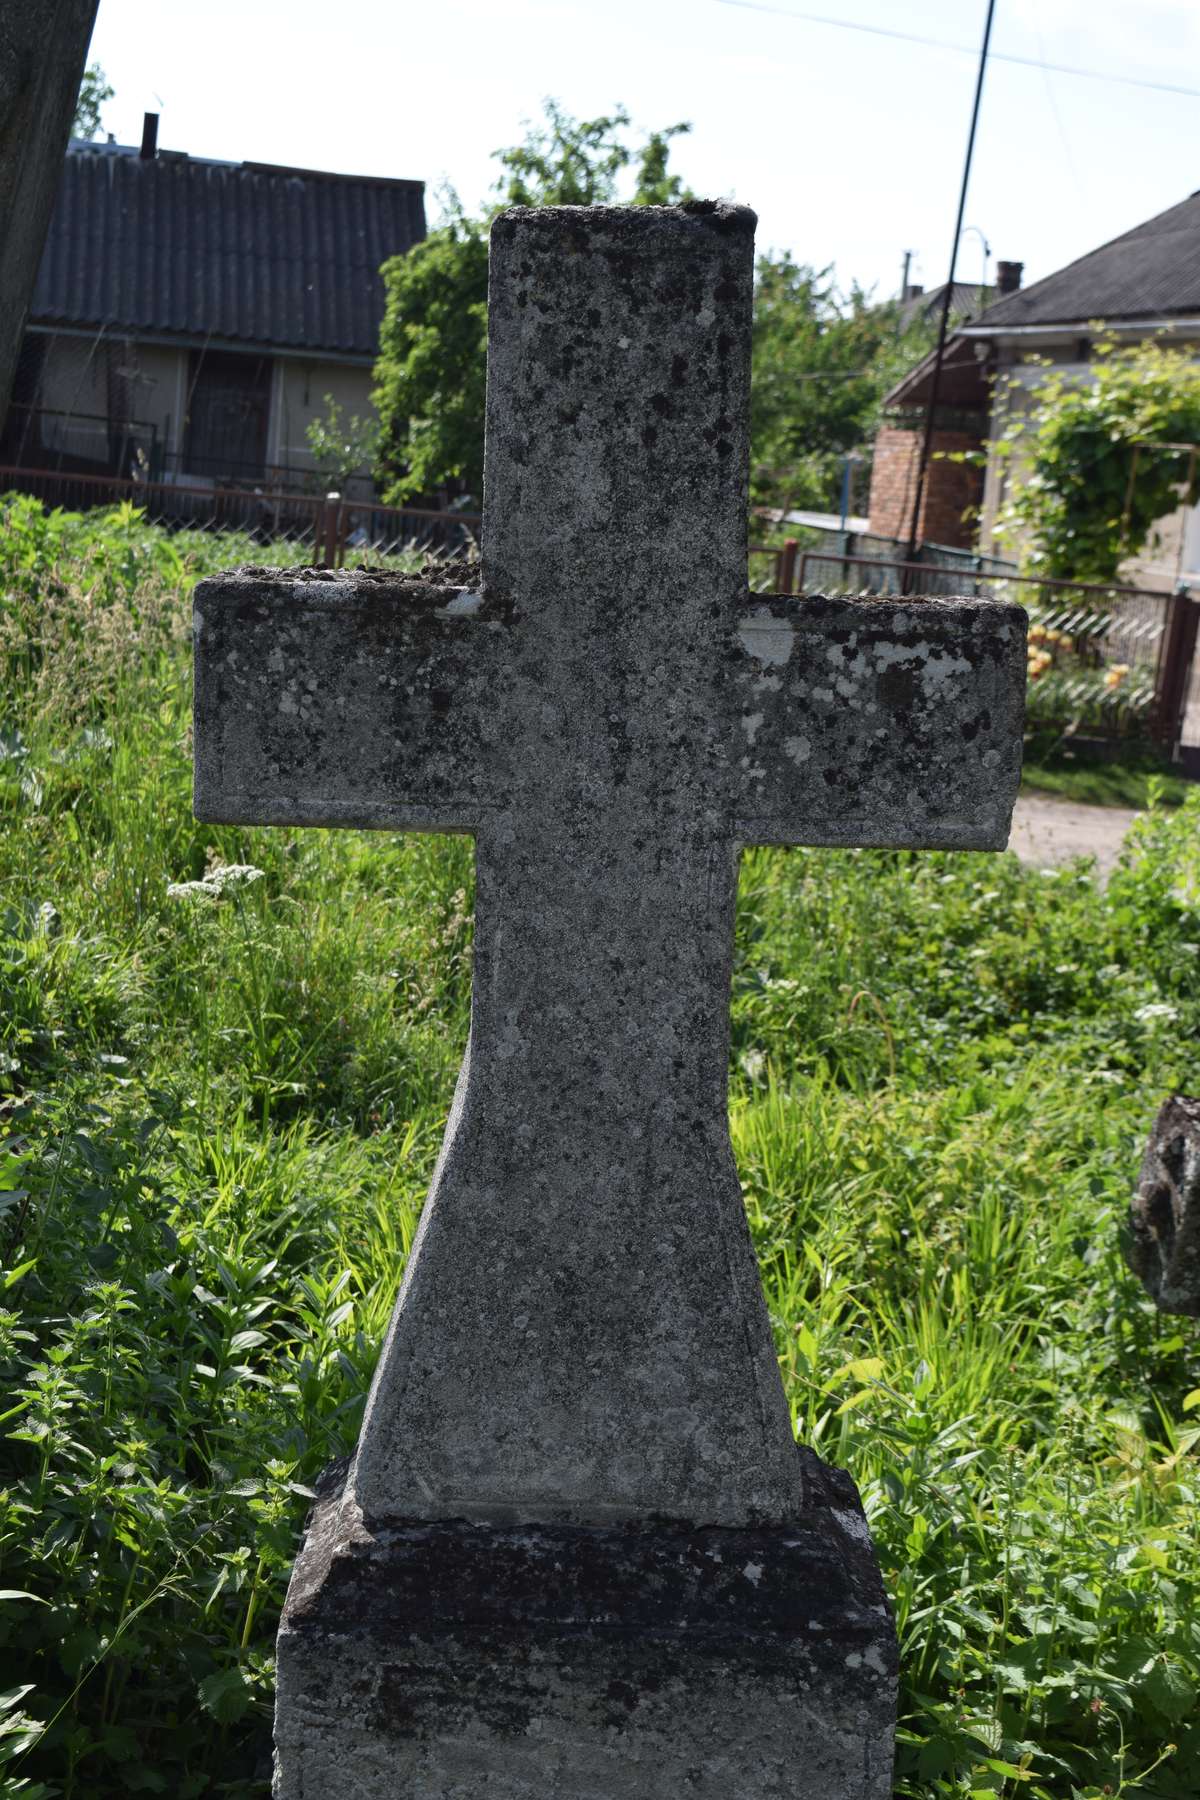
{"x": 847, "y": 143}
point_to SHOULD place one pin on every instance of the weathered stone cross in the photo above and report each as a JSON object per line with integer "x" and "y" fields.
{"x": 581, "y": 1339}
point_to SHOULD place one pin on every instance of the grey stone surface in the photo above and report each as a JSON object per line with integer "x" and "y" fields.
{"x": 1162, "y": 1244}
{"x": 599, "y": 1662}
{"x": 581, "y": 1338}
{"x": 43, "y": 48}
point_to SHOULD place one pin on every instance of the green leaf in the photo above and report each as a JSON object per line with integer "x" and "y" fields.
{"x": 21, "y": 1594}
{"x": 226, "y": 1695}
{"x": 864, "y": 1368}
{"x": 1012, "y": 1677}
{"x": 858, "y": 1398}
{"x": 1170, "y": 1690}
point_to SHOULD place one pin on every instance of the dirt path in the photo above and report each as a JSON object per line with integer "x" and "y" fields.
{"x": 1047, "y": 831}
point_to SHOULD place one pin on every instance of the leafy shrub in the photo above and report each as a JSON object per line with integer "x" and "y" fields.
{"x": 1073, "y": 510}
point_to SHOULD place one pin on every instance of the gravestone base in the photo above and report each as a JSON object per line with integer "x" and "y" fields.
{"x": 453, "y": 1660}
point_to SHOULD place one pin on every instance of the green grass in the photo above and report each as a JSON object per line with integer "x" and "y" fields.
{"x": 218, "y": 1117}
{"x": 1120, "y": 783}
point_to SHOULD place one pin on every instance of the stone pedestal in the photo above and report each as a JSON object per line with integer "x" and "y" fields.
{"x": 461, "y": 1661}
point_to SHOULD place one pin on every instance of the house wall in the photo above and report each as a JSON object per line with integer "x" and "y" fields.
{"x": 299, "y": 397}
{"x": 86, "y": 382}
{"x": 952, "y": 489}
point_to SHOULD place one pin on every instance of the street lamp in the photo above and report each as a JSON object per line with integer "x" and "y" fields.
{"x": 987, "y": 251}
{"x": 852, "y": 462}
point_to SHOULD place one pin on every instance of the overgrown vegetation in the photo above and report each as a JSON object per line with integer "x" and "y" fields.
{"x": 1130, "y": 781}
{"x": 1077, "y": 505}
{"x": 227, "y": 1056}
{"x": 340, "y": 446}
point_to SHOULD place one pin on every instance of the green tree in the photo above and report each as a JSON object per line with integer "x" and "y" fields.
{"x": 94, "y": 91}
{"x": 430, "y": 375}
{"x": 1077, "y": 505}
{"x": 821, "y": 363}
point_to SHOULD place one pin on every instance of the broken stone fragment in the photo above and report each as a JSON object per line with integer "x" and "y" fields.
{"x": 1162, "y": 1244}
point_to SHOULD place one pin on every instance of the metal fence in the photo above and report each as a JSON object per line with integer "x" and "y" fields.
{"x": 835, "y": 559}
{"x": 45, "y": 441}
{"x": 333, "y": 528}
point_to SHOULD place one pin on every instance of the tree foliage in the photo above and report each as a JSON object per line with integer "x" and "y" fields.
{"x": 1073, "y": 511}
{"x": 94, "y": 91}
{"x": 433, "y": 341}
{"x": 822, "y": 362}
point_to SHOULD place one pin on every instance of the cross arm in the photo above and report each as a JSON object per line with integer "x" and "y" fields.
{"x": 349, "y": 699}
{"x": 895, "y": 723}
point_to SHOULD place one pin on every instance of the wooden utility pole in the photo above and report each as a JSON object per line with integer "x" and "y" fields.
{"x": 43, "y": 48}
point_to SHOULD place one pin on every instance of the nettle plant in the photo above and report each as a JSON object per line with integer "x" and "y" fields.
{"x": 1079, "y": 505}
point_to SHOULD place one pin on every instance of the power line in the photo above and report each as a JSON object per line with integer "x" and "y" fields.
{"x": 944, "y": 317}
{"x": 932, "y": 43}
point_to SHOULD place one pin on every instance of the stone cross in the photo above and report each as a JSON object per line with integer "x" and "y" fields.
{"x": 581, "y": 1343}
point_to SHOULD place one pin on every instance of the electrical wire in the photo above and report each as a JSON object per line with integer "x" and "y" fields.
{"x": 932, "y": 43}
{"x": 947, "y": 295}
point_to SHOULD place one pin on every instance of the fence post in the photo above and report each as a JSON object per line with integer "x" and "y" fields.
{"x": 785, "y": 567}
{"x": 325, "y": 549}
{"x": 1174, "y": 667}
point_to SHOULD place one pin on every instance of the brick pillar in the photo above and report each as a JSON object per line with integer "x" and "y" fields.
{"x": 951, "y": 488}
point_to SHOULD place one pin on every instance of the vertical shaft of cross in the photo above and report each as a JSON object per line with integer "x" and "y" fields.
{"x": 620, "y": 499}
{"x": 582, "y": 1333}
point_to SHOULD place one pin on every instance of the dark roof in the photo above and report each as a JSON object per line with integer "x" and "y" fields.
{"x": 964, "y": 303}
{"x": 1152, "y": 271}
{"x": 227, "y": 252}
{"x": 963, "y": 386}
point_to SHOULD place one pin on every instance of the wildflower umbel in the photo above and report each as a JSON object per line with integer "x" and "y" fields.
{"x": 222, "y": 879}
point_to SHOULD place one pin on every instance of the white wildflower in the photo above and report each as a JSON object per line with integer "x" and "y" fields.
{"x": 221, "y": 879}
{"x": 190, "y": 890}
{"x": 1158, "y": 1009}
{"x": 232, "y": 875}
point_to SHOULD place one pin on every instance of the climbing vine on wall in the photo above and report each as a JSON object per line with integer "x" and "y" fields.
{"x": 1073, "y": 510}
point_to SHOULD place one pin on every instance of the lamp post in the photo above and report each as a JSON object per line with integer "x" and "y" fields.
{"x": 851, "y": 462}
{"x": 987, "y": 251}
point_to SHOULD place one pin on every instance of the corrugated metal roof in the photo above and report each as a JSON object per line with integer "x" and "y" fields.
{"x": 964, "y": 303}
{"x": 232, "y": 252}
{"x": 1152, "y": 271}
